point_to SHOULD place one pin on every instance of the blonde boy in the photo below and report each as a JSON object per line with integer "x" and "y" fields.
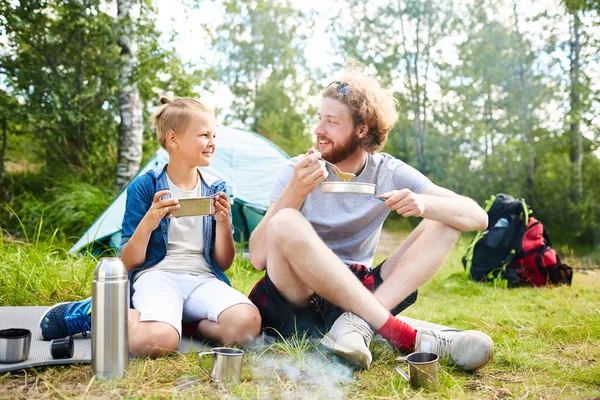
{"x": 176, "y": 265}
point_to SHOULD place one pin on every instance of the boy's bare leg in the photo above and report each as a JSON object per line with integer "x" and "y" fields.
{"x": 415, "y": 261}
{"x": 299, "y": 263}
{"x": 150, "y": 338}
{"x": 238, "y": 324}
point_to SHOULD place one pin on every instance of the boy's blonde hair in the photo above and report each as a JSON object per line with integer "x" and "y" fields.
{"x": 369, "y": 103}
{"x": 174, "y": 114}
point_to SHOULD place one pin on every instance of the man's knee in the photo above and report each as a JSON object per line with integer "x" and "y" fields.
{"x": 280, "y": 225}
{"x": 450, "y": 233}
{"x": 443, "y": 231}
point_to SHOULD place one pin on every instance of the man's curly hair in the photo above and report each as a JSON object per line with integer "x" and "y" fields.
{"x": 369, "y": 103}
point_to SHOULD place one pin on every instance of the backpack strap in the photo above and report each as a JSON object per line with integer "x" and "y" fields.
{"x": 526, "y": 211}
{"x": 467, "y": 260}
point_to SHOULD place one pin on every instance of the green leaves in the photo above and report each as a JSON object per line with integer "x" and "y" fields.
{"x": 264, "y": 46}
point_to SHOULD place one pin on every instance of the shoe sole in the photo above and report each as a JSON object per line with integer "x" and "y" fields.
{"x": 44, "y": 316}
{"x": 353, "y": 356}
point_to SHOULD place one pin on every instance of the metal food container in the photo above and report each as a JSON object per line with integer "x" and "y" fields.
{"x": 194, "y": 206}
{"x": 14, "y": 345}
{"x": 349, "y": 187}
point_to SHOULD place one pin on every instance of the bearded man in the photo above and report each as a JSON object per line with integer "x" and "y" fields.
{"x": 317, "y": 247}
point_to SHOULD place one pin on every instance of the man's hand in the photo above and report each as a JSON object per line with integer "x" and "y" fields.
{"x": 404, "y": 202}
{"x": 308, "y": 173}
{"x": 222, "y": 207}
{"x": 159, "y": 209}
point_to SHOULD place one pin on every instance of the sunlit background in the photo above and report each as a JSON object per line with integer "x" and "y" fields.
{"x": 494, "y": 95}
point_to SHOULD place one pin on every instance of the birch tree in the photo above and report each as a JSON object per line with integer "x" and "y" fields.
{"x": 131, "y": 127}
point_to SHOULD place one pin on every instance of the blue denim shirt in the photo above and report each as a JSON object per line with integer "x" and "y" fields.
{"x": 140, "y": 194}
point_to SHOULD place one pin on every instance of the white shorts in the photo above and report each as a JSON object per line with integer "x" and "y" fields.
{"x": 180, "y": 298}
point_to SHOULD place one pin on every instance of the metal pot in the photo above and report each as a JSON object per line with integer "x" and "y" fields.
{"x": 14, "y": 345}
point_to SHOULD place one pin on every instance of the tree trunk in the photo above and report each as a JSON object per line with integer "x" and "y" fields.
{"x": 4, "y": 192}
{"x": 575, "y": 112}
{"x": 131, "y": 128}
{"x": 530, "y": 166}
{"x": 489, "y": 124}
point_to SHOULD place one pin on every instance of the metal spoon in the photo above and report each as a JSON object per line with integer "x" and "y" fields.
{"x": 346, "y": 176}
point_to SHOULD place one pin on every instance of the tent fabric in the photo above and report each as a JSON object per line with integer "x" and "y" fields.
{"x": 245, "y": 160}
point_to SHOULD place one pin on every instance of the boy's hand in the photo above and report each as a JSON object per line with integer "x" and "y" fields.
{"x": 222, "y": 207}
{"x": 404, "y": 202}
{"x": 159, "y": 209}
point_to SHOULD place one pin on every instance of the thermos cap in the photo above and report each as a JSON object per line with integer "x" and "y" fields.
{"x": 62, "y": 348}
{"x": 110, "y": 268}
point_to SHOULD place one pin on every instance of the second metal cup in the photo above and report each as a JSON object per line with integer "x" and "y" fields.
{"x": 227, "y": 364}
{"x": 422, "y": 370}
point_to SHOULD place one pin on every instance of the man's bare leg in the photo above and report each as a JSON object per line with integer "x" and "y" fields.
{"x": 426, "y": 247}
{"x": 299, "y": 263}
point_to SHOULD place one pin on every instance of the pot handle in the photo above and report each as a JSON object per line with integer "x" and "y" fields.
{"x": 206, "y": 353}
{"x": 399, "y": 370}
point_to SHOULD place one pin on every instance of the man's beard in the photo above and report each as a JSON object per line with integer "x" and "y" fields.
{"x": 340, "y": 153}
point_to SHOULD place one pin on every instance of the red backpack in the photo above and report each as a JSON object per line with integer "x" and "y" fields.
{"x": 536, "y": 262}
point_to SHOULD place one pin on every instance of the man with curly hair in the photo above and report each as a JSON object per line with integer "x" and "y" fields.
{"x": 317, "y": 247}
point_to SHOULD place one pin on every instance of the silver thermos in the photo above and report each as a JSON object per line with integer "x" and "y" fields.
{"x": 110, "y": 314}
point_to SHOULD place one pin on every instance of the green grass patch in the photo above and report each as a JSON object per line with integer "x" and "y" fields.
{"x": 546, "y": 341}
{"x": 59, "y": 209}
{"x": 41, "y": 273}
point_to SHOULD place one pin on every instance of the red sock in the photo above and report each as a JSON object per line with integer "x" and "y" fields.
{"x": 399, "y": 334}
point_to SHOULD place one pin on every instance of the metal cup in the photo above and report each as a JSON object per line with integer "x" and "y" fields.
{"x": 14, "y": 345}
{"x": 227, "y": 364}
{"x": 422, "y": 370}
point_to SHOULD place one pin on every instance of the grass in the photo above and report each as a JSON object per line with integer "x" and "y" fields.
{"x": 547, "y": 342}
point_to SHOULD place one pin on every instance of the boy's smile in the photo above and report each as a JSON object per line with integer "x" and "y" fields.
{"x": 197, "y": 142}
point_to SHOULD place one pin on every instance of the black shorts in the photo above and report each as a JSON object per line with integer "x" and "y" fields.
{"x": 316, "y": 318}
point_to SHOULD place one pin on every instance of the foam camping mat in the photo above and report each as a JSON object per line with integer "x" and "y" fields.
{"x": 39, "y": 354}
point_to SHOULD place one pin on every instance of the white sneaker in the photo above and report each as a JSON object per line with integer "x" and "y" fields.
{"x": 468, "y": 350}
{"x": 349, "y": 338}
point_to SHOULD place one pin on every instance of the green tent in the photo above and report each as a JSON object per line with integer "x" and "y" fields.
{"x": 248, "y": 163}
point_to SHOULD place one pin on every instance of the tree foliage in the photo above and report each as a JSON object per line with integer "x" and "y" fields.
{"x": 61, "y": 65}
{"x": 492, "y": 97}
{"x": 262, "y": 43}
{"x": 474, "y": 110}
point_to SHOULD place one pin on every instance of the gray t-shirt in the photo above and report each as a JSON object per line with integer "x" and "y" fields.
{"x": 350, "y": 224}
